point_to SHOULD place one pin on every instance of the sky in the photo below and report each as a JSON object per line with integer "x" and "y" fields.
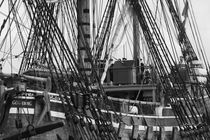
{"x": 202, "y": 14}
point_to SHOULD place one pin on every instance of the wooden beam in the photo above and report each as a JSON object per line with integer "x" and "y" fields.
{"x": 121, "y": 130}
{"x": 149, "y": 133}
{"x": 175, "y": 134}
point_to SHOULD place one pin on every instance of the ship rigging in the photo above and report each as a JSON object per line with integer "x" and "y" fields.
{"x": 68, "y": 66}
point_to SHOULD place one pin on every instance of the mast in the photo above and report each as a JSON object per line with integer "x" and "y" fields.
{"x": 186, "y": 46}
{"x": 135, "y": 37}
{"x": 136, "y": 47}
{"x": 83, "y": 15}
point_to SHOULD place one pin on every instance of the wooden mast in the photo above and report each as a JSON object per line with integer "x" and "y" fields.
{"x": 136, "y": 47}
{"x": 83, "y": 14}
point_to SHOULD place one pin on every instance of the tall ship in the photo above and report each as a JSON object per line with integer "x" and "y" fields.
{"x": 102, "y": 70}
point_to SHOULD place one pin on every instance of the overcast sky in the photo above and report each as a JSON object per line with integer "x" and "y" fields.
{"x": 202, "y": 14}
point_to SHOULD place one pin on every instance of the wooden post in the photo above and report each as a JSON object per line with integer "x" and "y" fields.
{"x": 83, "y": 15}
{"x": 2, "y": 87}
{"x": 121, "y": 130}
{"x": 175, "y": 133}
{"x": 149, "y": 133}
{"x": 136, "y": 47}
{"x": 161, "y": 135}
{"x": 153, "y": 96}
{"x": 135, "y": 132}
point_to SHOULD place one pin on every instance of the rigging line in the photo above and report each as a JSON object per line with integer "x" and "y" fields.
{"x": 73, "y": 42}
{"x": 156, "y": 50}
{"x": 27, "y": 53}
{"x": 101, "y": 24}
{"x": 100, "y": 6}
{"x": 5, "y": 20}
{"x": 183, "y": 39}
{"x": 201, "y": 41}
{"x": 65, "y": 49}
{"x": 72, "y": 9}
{"x": 97, "y": 79}
{"x": 12, "y": 18}
{"x": 203, "y": 50}
{"x": 4, "y": 52}
{"x": 71, "y": 27}
{"x": 159, "y": 44}
{"x": 64, "y": 41}
{"x": 126, "y": 33}
{"x": 109, "y": 33}
{"x": 50, "y": 59}
{"x": 1, "y": 3}
{"x": 5, "y": 37}
{"x": 195, "y": 37}
{"x": 143, "y": 43}
{"x": 156, "y": 9}
{"x": 128, "y": 36}
{"x": 162, "y": 50}
{"x": 62, "y": 24}
{"x": 177, "y": 115}
{"x": 10, "y": 36}
{"x": 55, "y": 1}
{"x": 137, "y": 96}
{"x": 177, "y": 8}
{"x": 100, "y": 86}
{"x": 100, "y": 9}
{"x": 32, "y": 58}
{"x": 7, "y": 54}
{"x": 14, "y": 68}
{"x": 121, "y": 39}
{"x": 195, "y": 34}
{"x": 69, "y": 21}
{"x": 20, "y": 21}
{"x": 28, "y": 11}
{"x": 191, "y": 97}
{"x": 174, "y": 31}
{"x": 56, "y": 83}
{"x": 27, "y": 43}
{"x": 141, "y": 22}
{"x": 169, "y": 32}
{"x": 118, "y": 21}
{"x": 9, "y": 51}
{"x": 18, "y": 28}
{"x": 116, "y": 12}
{"x": 105, "y": 32}
{"x": 60, "y": 68}
{"x": 143, "y": 7}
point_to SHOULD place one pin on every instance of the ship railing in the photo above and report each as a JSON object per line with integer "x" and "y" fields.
{"x": 133, "y": 106}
